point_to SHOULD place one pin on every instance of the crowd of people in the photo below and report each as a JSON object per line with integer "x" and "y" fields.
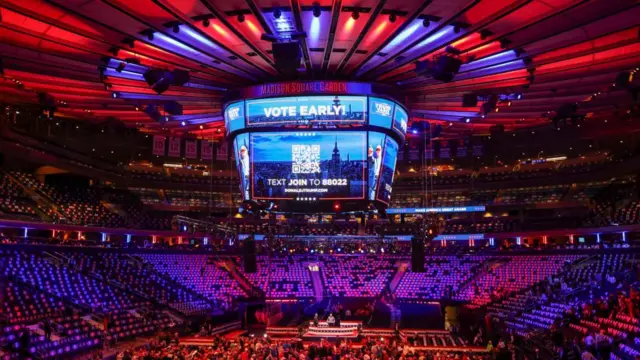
{"x": 264, "y": 348}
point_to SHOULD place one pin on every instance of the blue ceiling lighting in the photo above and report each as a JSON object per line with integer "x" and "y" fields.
{"x": 131, "y": 67}
{"x": 495, "y": 69}
{"x": 457, "y": 114}
{"x": 416, "y": 29}
{"x": 494, "y": 59}
{"x": 284, "y": 26}
{"x": 179, "y": 47}
{"x": 174, "y": 45}
{"x": 314, "y": 31}
{"x": 190, "y": 117}
{"x": 206, "y": 120}
{"x": 138, "y": 96}
{"x": 124, "y": 74}
{"x": 431, "y": 43}
{"x": 404, "y": 35}
{"x": 208, "y": 44}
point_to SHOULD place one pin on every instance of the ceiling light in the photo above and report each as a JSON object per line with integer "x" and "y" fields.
{"x": 241, "y": 18}
{"x": 355, "y": 15}
{"x": 392, "y": 18}
{"x": 317, "y": 10}
{"x": 426, "y": 22}
{"x": 277, "y": 13}
{"x": 206, "y": 22}
{"x": 176, "y": 28}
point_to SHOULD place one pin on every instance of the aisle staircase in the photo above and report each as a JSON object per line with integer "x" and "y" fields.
{"x": 245, "y": 284}
{"x": 396, "y": 315}
{"x": 401, "y": 268}
{"x": 43, "y": 201}
{"x": 316, "y": 280}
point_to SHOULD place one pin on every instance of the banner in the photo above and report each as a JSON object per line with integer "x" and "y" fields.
{"x": 191, "y": 149}
{"x": 158, "y": 145}
{"x": 462, "y": 148}
{"x": 174, "y": 146}
{"x": 476, "y": 150}
{"x": 445, "y": 151}
{"x": 428, "y": 151}
{"x": 222, "y": 151}
{"x": 307, "y": 87}
{"x": 206, "y": 150}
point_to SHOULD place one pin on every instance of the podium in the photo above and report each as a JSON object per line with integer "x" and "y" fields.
{"x": 347, "y": 329}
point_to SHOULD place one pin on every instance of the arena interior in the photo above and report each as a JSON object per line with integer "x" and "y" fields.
{"x": 319, "y": 179}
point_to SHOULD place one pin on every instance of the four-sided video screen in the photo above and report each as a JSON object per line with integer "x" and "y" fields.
{"x": 316, "y": 164}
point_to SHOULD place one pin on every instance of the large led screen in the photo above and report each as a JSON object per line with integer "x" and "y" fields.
{"x": 385, "y": 181}
{"x": 234, "y": 116}
{"x": 306, "y": 109}
{"x": 380, "y": 112}
{"x": 374, "y": 162}
{"x": 400, "y": 120}
{"x": 311, "y": 165}
{"x": 241, "y": 151}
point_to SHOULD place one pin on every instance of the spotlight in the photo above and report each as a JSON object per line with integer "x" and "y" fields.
{"x": 355, "y": 15}
{"x": 114, "y": 95}
{"x": 121, "y": 66}
{"x": 241, "y": 18}
{"x": 277, "y": 13}
{"x": 467, "y": 120}
{"x": 206, "y": 22}
{"x": 426, "y": 22}
{"x": 317, "y": 11}
{"x": 392, "y": 18}
{"x": 176, "y": 28}
{"x": 150, "y": 35}
{"x": 183, "y": 123}
{"x": 414, "y": 131}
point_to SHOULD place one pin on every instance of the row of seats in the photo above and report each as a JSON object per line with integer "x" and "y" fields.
{"x": 282, "y": 277}
{"x": 134, "y": 274}
{"x": 65, "y": 283}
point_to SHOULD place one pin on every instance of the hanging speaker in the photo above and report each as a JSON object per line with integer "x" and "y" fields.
{"x": 250, "y": 265}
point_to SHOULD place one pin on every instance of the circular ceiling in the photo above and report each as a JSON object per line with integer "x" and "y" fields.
{"x": 517, "y": 63}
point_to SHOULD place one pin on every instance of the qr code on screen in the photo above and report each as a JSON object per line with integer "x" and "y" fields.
{"x": 306, "y": 159}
